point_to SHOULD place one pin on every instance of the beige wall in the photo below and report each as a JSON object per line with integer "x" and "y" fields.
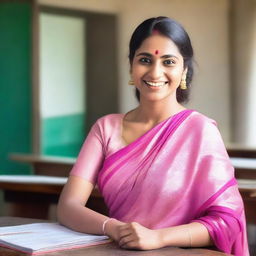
{"x": 207, "y": 23}
{"x": 106, "y": 6}
{"x": 244, "y": 71}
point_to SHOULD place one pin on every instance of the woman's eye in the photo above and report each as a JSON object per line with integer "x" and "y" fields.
{"x": 169, "y": 62}
{"x": 145, "y": 60}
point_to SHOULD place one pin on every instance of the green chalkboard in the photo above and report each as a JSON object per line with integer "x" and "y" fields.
{"x": 15, "y": 83}
{"x": 63, "y": 135}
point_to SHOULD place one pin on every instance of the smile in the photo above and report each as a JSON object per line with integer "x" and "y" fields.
{"x": 155, "y": 84}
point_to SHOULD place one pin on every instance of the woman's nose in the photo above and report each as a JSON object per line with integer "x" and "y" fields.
{"x": 156, "y": 71}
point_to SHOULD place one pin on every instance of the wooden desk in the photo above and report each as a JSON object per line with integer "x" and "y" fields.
{"x": 247, "y": 188}
{"x": 46, "y": 165}
{"x": 245, "y": 172}
{"x": 236, "y": 150}
{"x": 245, "y": 168}
{"x": 31, "y": 195}
{"x": 43, "y": 194}
{"x": 104, "y": 250}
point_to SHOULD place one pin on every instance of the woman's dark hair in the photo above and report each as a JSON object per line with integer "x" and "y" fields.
{"x": 173, "y": 30}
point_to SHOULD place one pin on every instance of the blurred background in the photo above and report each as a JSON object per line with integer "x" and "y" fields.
{"x": 63, "y": 64}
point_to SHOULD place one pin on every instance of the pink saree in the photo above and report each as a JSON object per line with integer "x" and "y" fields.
{"x": 178, "y": 172}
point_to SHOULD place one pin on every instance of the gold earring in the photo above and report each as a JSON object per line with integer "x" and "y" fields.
{"x": 131, "y": 82}
{"x": 183, "y": 84}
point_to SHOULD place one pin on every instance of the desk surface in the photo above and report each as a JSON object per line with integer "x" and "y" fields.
{"x": 243, "y": 163}
{"x": 30, "y": 158}
{"x": 54, "y": 185}
{"x": 36, "y": 183}
{"x": 239, "y": 162}
{"x": 104, "y": 250}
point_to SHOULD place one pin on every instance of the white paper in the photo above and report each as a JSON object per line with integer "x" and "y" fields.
{"x": 38, "y": 237}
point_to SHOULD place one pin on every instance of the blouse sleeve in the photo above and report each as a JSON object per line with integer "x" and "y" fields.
{"x": 91, "y": 156}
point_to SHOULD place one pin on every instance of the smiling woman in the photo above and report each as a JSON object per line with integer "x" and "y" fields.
{"x": 179, "y": 42}
{"x": 157, "y": 76}
{"x": 162, "y": 169}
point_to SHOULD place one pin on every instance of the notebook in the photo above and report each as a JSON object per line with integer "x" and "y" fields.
{"x": 40, "y": 238}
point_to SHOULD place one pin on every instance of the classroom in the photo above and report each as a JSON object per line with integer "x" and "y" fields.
{"x": 64, "y": 64}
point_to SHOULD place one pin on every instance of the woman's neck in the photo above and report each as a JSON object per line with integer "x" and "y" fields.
{"x": 155, "y": 112}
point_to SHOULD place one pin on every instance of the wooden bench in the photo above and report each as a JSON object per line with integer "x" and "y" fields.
{"x": 42, "y": 194}
{"x": 46, "y": 165}
{"x": 36, "y": 196}
{"x": 245, "y": 172}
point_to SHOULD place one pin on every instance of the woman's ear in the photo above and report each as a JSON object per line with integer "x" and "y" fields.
{"x": 184, "y": 73}
{"x": 130, "y": 71}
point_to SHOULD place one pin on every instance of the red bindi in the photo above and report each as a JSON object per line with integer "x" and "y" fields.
{"x": 155, "y": 32}
{"x": 156, "y": 52}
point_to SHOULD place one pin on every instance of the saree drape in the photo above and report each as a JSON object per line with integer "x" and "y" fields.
{"x": 176, "y": 173}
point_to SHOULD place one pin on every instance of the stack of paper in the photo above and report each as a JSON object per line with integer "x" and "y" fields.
{"x": 39, "y": 238}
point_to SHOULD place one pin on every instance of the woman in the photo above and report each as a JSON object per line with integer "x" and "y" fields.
{"x": 162, "y": 169}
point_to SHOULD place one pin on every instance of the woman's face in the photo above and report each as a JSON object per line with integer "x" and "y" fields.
{"x": 157, "y": 68}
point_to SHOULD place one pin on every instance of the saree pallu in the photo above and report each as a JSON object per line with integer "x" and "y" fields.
{"x": 176, "y": 173}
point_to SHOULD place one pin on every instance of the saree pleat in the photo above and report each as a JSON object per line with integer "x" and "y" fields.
{"x": 176, "y": 173}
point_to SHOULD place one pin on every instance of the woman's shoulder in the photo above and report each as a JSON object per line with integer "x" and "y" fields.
{"x": 199, "y": 123}
{"x": 204, "y": 129}
{"x": 109, "y": 119}
{"x": 108, "y": 124}
{"x": 202, "y": 119}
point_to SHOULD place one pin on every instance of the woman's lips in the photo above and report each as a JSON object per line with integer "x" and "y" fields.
{"x": 154, "y": 84}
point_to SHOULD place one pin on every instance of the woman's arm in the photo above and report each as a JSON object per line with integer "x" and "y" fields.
{"x": 188, "y": 235}
{"x": 71, "y": 210}
{"x": 135, "y": 236}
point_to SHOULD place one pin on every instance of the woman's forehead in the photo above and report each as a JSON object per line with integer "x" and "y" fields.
{"x": 158, "y": 45}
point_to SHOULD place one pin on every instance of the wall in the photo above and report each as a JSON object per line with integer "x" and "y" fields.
{"x": 207, "y": 23}
{"x": 15, "y": 84}
{"x": 100, "y": 73}
{"x": 62, "y": 84}
{"x": 101, "y": 6}
{"x": 244, "y": 75}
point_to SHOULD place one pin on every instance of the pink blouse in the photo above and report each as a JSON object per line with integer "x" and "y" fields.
{"x": 104, "y": 138}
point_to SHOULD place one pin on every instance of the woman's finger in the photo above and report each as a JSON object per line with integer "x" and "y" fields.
{"x": 130, "y": 245}
{"x": 125, "y": 240}
{"x": 125, "y": 233}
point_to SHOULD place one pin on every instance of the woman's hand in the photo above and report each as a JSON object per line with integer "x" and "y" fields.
{"x": 135, "y": 236}
{"x": 112, "y": 229}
